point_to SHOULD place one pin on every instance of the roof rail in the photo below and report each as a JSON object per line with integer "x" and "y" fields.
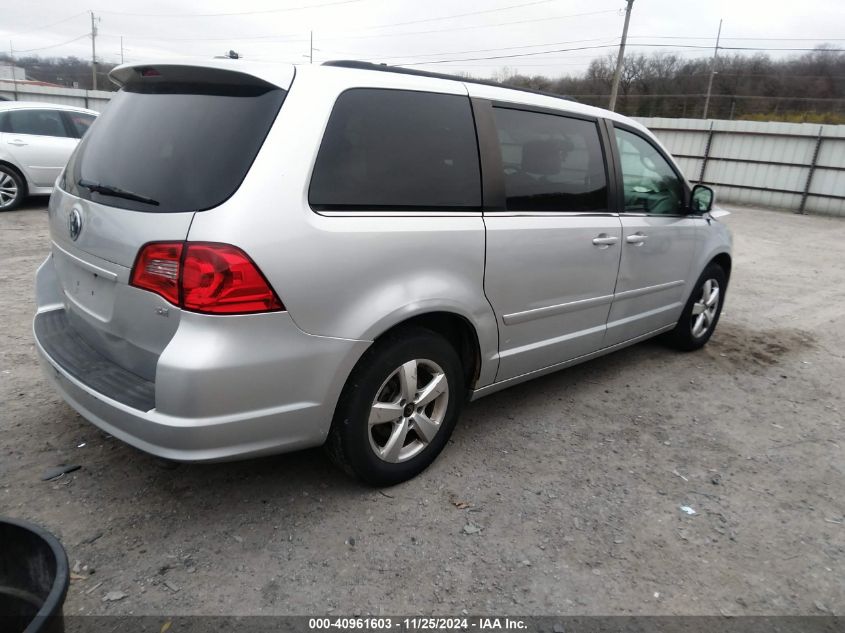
{"x": 351, "y": 63}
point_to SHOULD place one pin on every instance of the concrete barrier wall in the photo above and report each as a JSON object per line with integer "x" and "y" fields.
{"x": 91, "y": 99}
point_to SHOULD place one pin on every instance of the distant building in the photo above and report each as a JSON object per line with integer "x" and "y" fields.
{"x": 12, "y": 73}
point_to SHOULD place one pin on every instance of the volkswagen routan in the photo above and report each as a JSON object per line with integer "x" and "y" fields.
{"x": 250, "y": 258}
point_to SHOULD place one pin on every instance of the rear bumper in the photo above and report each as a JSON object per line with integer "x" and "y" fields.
{"x": 225, "y": 388}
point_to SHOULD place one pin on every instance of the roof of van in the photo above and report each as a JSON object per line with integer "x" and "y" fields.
{"x": 401, "y": 70}
{"x": 493, "y": 90}
{"x": 282, "y": 75}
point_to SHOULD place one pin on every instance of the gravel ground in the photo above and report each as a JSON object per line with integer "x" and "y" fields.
{"x": 558, "y": 496}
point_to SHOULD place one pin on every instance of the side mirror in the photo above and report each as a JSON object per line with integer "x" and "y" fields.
{"x": 702, "y": 198}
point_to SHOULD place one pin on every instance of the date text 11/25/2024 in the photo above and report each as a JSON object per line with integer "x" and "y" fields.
{"x": 418, "y": 623}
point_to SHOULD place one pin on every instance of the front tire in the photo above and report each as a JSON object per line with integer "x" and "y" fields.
{"x": 12, "y": 188}
{"x": 702, "y": 311}
{"x": 398, "y": 408}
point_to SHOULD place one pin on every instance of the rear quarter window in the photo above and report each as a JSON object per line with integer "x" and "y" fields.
{"x": 397, "y": 149}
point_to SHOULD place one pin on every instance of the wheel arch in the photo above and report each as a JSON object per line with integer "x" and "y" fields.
{"x": 724, "y": 261}
{"x": 456, "y": 328}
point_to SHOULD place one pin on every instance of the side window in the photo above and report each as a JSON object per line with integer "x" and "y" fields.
{"x": 551, "y": 162}
{"x": 38, "y": 122}
{"x": 397, "y": 149}
{"x": 651, "y": 185}
{"x": 80, "y": 122}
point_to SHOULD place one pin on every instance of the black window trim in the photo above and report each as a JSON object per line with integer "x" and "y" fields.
{"x": 356, "y": 210}
{"x": 527, "y": 107}
{"x": 492, "y": 170}
{"x": 620, "y": 185}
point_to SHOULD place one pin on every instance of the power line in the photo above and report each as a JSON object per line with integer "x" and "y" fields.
{"x": 754, "y": 48}
{"x": 513, "y": 55}
{"x": 487, "y": 50}
{"x": 580, "y": 48}
{"x": 47, "y": 26}
{"x": 749, "y": 39}
{"x": 324, "y": 37}
{"x": 210, "y": 39}
{"x": 463, "y": 15}
{"x": 230, "y": 14}
{"x": 471, "y": 27}
{"x": 41, "y": 48}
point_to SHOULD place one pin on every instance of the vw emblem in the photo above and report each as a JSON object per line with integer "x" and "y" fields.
{"x": 74, "y": 223}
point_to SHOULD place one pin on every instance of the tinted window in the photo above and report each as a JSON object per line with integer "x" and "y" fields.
{"x": 38, "y": 122}
{"x": 651, "y": 185}
{"x": 395, "y": 149}
{"x": 80, "y": 122}
{"x": 551, "y": 163}
{"x": 186, "y": 145}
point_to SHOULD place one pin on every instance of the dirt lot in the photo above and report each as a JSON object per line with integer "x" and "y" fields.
{"x": 576, "y": 479}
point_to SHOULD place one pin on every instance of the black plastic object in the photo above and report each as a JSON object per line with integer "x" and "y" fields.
{"x": 33, "y": 579}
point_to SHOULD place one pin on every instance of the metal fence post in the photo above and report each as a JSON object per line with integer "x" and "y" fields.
{"x": 706, "y": 153}
{"x": 810, "y": 173}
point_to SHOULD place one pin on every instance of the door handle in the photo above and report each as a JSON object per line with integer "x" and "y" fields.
{"x": 603, "y": 240}
{"x": 636, "y": 238}
{"x": 17, "y": 142}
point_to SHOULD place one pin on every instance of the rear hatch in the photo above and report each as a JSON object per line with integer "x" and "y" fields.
{"x": 174, "y": 141}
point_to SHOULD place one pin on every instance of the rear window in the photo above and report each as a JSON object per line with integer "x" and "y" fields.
{"x": 182, "y": 144}
{"x": 397, "y": 149}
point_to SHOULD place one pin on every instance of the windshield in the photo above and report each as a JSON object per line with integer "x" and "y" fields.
{"x": 186, "y": 146}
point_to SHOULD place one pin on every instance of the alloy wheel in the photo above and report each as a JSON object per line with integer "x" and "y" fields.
{"x": 408, "y": 410}
{"x": 8, "y": 190}
{"x": 704, "y": 310}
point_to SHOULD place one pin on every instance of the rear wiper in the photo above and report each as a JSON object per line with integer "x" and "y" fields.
{"x": 117, "y": 192}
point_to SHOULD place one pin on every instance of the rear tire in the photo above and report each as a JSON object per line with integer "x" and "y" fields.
{"x": 12, "y": 188}
{"x": 702, "y": 311}
{"x": 398, "y": 407}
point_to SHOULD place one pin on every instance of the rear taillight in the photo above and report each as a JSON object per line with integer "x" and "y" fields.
{"x": 204, "y": 277}
{"x": 157, "y": 269}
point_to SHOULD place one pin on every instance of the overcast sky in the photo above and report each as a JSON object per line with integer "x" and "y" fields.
{"x": 413, "y": 31}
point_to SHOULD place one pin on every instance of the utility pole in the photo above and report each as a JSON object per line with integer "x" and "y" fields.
{"x": 712, "y": 72}
{"x": 311, "y": 47}
{"x": 14, "y": 76}
{"x": 93, "y": 51}
{"x": 121, "y": 49}
{"x": 614, "y": 91}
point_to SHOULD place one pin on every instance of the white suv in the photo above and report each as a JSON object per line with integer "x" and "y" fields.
{"x": 250, "y": 259}
{"x": 36, "y": 139}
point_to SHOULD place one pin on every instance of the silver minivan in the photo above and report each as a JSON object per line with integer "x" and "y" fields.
{"x": 255, "y": 258}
